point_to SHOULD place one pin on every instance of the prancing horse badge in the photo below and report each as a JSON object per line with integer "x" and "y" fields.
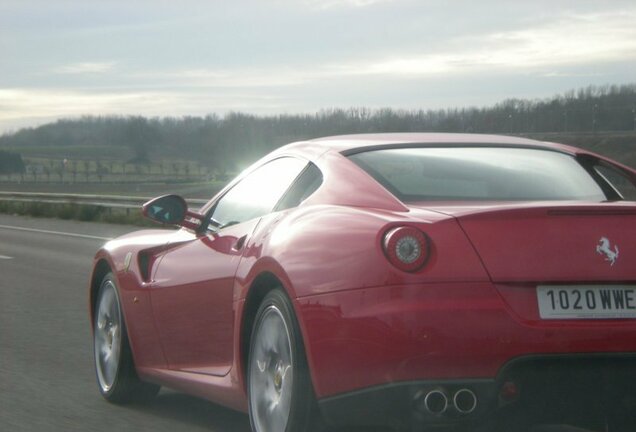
{"x": 604, "y": 248}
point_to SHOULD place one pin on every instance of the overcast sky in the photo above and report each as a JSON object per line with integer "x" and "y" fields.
{"x": 65, "y": 58}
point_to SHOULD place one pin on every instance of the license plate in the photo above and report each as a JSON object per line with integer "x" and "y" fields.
{"x": 586, "y": 301}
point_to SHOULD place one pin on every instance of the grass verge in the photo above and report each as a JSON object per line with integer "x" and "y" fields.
{"x": 87, "y": 213}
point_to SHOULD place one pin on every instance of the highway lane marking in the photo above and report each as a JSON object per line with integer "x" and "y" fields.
{"x": 67, "y": 234}
{"x": 4, "y": 257}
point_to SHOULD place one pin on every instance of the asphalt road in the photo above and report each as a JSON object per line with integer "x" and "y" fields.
{"x": 47, "y": 380}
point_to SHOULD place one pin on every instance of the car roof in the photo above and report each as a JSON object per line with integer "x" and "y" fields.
{"x": 348, "y": 144}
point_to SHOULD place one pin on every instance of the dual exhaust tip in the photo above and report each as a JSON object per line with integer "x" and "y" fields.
{"x": 438, "y": 401}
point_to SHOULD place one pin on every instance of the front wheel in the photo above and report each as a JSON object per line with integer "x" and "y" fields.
{"x": 280, "y": 393}
{"x": 116, "y": 375}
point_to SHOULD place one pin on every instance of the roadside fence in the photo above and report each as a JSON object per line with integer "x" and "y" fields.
{"x": 125, "y": 203}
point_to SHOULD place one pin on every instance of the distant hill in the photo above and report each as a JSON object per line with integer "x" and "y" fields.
{"x": 599, "y": 118}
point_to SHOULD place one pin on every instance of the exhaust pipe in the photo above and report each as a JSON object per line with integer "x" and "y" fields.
{"x": 465, "y": 401}
{"x": 436, "y": 402}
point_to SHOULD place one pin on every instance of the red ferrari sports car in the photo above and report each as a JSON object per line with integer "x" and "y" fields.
{"x": 400, "y": 280}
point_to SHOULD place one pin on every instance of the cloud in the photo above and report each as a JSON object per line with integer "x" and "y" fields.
{"x": 582, "y": 39}
{"x": 86, "y": 68}
{"x": 50, "y": 102}
{"x": 42, "y": 105}
{"x": 275, "y": 77}
{"x": 572, "y": 39}
{"x": 542, "y": 50}
{"x": 331, "y": 4}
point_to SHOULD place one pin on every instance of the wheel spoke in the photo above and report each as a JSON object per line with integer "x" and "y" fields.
{"x": 113, "y": 310}
{"x": 102, "y": 314}
{"x": 261, "y": 365}
{"x": 278, "y": 420}
{"x": 269, "y": 335}
{"x": 110, "y": 368}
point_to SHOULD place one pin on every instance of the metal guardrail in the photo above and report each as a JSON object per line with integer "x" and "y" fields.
{"x": 107, "y": 201}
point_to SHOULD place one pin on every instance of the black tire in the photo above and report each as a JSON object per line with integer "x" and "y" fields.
{"x": 117, "y": 379}
{"x": 268, "y": 369}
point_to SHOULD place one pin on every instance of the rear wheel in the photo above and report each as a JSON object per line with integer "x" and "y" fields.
{"x": 280, "y": 394}
{"x": 116, "y": 375}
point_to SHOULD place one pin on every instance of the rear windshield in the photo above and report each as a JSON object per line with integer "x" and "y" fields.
{"x": 479, "y": 174}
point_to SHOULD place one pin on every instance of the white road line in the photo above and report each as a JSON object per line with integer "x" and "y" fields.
{"x": 54, "y": 232}
{"x": 4, "y": 257}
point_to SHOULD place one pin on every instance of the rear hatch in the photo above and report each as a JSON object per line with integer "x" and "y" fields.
{"x": 573, "y": 242}
{"x": 580, "y": 258}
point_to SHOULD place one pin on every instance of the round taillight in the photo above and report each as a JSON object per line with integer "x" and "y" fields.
{"x": 407, "y": 248}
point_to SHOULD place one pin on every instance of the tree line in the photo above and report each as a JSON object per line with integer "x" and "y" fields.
{"x": 236, "y": 138}
{"x": 11, "y": 163}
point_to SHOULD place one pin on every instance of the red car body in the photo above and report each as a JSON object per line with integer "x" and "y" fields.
{"x": 379, "y": 340}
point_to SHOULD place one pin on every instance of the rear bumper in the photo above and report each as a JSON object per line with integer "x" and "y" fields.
{"x": 372, "y": 341}
{"x": 406, "y": 404}
{"x": 588, "y": 391}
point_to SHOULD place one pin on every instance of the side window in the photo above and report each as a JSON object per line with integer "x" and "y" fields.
{"x": 306, "y": 184}
{"x": 258, "y": 192}
{"x": 619, "y": 181}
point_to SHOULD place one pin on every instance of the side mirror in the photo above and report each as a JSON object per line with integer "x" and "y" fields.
{"x": 172, "y": 210}
{"x": 166, "y": 209}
